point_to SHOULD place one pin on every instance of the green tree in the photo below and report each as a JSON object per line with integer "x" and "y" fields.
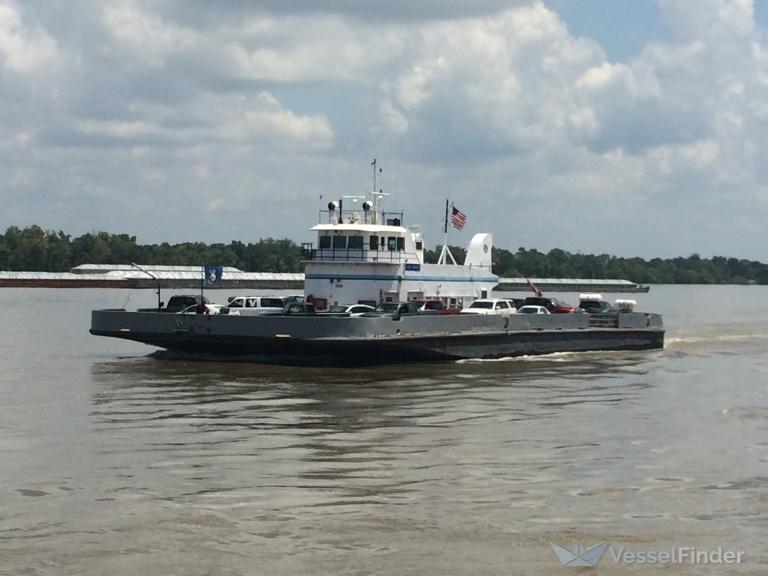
{"x": 91, "y": 248}
{"x": 59, "y": 256}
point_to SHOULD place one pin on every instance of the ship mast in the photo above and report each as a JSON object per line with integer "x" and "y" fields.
{"x": 375, "y": 219}
{"x": 377, "y": 195}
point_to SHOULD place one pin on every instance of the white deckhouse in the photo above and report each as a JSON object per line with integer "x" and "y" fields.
{"x": 373, "y": 258}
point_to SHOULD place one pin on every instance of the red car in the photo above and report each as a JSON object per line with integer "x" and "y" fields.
{"x": 554, "y": 305}
{"x": 435, "y": 306}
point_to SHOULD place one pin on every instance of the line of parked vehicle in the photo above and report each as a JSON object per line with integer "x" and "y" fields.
{"x": 296, "y": 305}
{"x": 588, "y": 303}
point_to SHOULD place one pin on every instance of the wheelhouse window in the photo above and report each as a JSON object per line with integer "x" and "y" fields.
{"x": 374, "y": 242}
{"x": 401, "y": 243}
{"x": 419, "y": 245}
{"x": 355, "y": 243}
{"x": 325, "y": 242}
{"x": 339, "y": 242}
{"x": 391, "y": 243}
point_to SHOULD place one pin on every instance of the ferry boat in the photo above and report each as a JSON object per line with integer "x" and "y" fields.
{"x": 368, "y": 256}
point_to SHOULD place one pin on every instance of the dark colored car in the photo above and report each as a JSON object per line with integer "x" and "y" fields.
{"x": 596, "y": 307}
{"x": 554, "y": 305}
{"x": 518, "y": 302}
{"x": 295, "y": 309}
{"x": 182, "y": 302}
{"x": 348, "y": 310}
{"x": 395, "y": 309}
{"x": 299, "y": 309}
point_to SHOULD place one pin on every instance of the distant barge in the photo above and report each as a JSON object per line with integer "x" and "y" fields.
{"x": 123, "y": 276}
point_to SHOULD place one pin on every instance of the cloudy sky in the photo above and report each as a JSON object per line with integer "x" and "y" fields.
{"x": 633, "y": 127}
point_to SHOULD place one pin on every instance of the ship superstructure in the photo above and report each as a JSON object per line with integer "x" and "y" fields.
{"x": 370, "y": 257}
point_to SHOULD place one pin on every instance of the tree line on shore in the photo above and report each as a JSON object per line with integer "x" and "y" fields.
{"x": 35, "y": 249}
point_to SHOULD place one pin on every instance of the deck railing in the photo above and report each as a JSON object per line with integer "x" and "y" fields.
{"x": 357, "y": 215}
{"x": 309, "y": 253}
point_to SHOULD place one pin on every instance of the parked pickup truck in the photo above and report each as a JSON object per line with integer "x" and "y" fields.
{"x": 594, "y": 304}
{"x": 395, "y": 309}
{"x": 179, "y": 303}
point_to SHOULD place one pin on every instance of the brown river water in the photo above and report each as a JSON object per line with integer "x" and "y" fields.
{"x": 114, "y": 461}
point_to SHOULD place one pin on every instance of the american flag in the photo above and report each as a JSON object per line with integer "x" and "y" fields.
{"x": 458, "y": 218}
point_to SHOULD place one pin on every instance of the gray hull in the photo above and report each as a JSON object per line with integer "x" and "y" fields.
{"x": 312, "y": 340}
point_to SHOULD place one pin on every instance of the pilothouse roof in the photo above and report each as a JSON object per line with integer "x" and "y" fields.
{"x": 351, "y": 227}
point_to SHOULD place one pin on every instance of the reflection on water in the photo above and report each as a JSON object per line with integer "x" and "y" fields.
{"x": 123, "y": 463}
{"x": 316, "y": 443}
{"x": 336, "y": 437}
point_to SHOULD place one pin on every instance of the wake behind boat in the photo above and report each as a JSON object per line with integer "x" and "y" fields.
{"x": 367, "y": 256}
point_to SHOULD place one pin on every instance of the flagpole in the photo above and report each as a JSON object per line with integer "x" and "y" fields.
{"x": 441, "y": 260}
{"x": 445, "y": 253}
{"x": 447, "y": 249}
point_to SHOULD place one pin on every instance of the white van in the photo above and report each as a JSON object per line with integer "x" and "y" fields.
{"x": 257, "y": 305}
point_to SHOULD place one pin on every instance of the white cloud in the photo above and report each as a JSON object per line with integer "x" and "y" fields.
{"x": 146, "y": 36}
{"x": 119, "y": 130}
{"x": 502, "y": 81}
{"x": 228, "y": 120}
{"x": 23, "y": 47}
{"x": 264, "y": 118}
{"x": 710, "y": 19}
{"x": 297, "y": 49}
{"x": 392, "y": 119}
{"x": 605, "y": 76}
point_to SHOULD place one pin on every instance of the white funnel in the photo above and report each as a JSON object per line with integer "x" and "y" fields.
{"x": 479, "y": 251}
